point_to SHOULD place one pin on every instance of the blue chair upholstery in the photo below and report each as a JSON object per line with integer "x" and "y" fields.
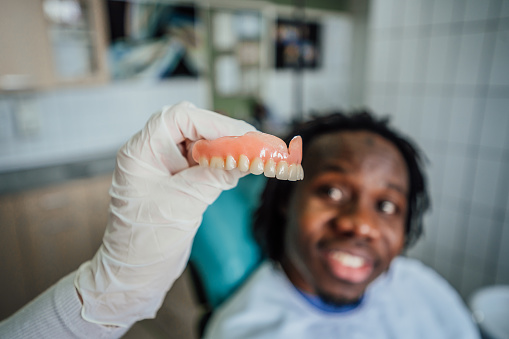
{"x": 224, "y": 252}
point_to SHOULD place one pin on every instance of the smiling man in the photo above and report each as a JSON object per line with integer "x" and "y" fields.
{"x": 347, "y": 222}
{"x": 333, "y": 243}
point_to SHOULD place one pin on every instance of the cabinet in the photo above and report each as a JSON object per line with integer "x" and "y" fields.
{"x": 49, "y": 43}
{"x": 47, "y": 233}
{"x": 237, "y": 57}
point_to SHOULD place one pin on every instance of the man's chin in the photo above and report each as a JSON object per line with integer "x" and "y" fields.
{"x": 338, "y": 300}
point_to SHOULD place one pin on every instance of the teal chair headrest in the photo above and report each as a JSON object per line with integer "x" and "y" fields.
{"x": 224, "y": 252}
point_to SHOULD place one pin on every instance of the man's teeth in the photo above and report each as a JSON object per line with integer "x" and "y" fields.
{"x": 348, "y": 259}
{"x": 281, "y": 170}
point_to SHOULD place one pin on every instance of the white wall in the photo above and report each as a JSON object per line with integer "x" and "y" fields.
{"x": 441, "y": 69}
{"x": 86, "y": 123}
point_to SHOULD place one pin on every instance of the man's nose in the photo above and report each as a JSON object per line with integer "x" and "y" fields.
{"x": 357, "y": 220}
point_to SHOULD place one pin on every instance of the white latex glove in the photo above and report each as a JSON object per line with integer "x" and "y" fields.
{"x": 157, "y": 204}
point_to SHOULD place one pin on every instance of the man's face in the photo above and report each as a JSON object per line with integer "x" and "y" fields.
{"x": 346, "y": 219}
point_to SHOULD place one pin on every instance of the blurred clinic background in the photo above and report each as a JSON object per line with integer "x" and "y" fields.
{"x": 79, "y": 77}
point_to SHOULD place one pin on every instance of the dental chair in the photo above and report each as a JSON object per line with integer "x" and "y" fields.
{"x": 224, "y": 252}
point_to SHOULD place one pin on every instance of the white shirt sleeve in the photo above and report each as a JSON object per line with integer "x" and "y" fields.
{"x": 56, "y": 313}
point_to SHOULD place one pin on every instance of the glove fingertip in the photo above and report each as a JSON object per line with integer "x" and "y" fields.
{"x": 212, "y": 177}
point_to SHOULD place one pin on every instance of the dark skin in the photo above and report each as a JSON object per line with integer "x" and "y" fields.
{"x": 346, "y": 219}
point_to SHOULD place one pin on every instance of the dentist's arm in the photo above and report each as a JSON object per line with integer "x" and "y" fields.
{"x": 158, "y": 199}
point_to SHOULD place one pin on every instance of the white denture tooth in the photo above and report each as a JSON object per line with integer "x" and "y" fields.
{"x": 230, "y": 163}
{"x": 256, "y": 166}
{"x": 293, "y": 172}
{"x": 243, "y": 163}
{"x": 301, "y": 172}
{"x": 282, "y": 170}
{"x": 217, "y": 162}
{"x": 270, "y": 168}
{"x": 204, "y": 161}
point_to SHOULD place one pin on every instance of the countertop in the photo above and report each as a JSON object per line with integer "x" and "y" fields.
{"x": 22, "y": 180}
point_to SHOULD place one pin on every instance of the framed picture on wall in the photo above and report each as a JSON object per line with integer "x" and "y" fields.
{"x": 297, "y": 44}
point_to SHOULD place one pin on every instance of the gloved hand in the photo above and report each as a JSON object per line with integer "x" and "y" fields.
{"x": 157, "y": 204}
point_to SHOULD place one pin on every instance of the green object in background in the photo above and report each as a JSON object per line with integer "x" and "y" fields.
{"x": 224, "y": 252}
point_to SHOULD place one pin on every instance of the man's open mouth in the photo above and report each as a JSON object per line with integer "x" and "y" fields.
{"x": 348, "y": 266}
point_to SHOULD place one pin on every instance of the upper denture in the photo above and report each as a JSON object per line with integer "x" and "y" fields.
{"x": 254, "y": 151}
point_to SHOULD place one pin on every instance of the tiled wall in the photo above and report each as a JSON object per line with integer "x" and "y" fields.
{"x": 85, "y": 123}
{"x": 441, "y": 68}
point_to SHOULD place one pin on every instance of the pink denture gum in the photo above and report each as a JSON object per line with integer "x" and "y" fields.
{"x": 255, "y": 152}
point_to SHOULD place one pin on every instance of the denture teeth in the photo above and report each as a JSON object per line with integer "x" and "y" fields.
{"x": 293, "y": 173}
{"x": 204, "y": 161}
{"x": 270, "y": 169}
{"x": 230, "y": 163}
{"x": 300, "y": 175}
{"x": 243, "y": 163}
{"x": 217, "y": 162}
{"x": 256, "y": 166}
{"x": 282, "y": 170}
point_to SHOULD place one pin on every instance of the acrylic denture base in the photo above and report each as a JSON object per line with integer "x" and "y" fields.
{"x": 253, "y": 152}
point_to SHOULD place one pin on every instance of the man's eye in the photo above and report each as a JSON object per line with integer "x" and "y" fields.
{"x": 335, "y": 193}
{"x": 388, "y": 207}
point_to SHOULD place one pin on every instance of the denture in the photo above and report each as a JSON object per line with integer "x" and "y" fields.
{"x": 253, "y": 152}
